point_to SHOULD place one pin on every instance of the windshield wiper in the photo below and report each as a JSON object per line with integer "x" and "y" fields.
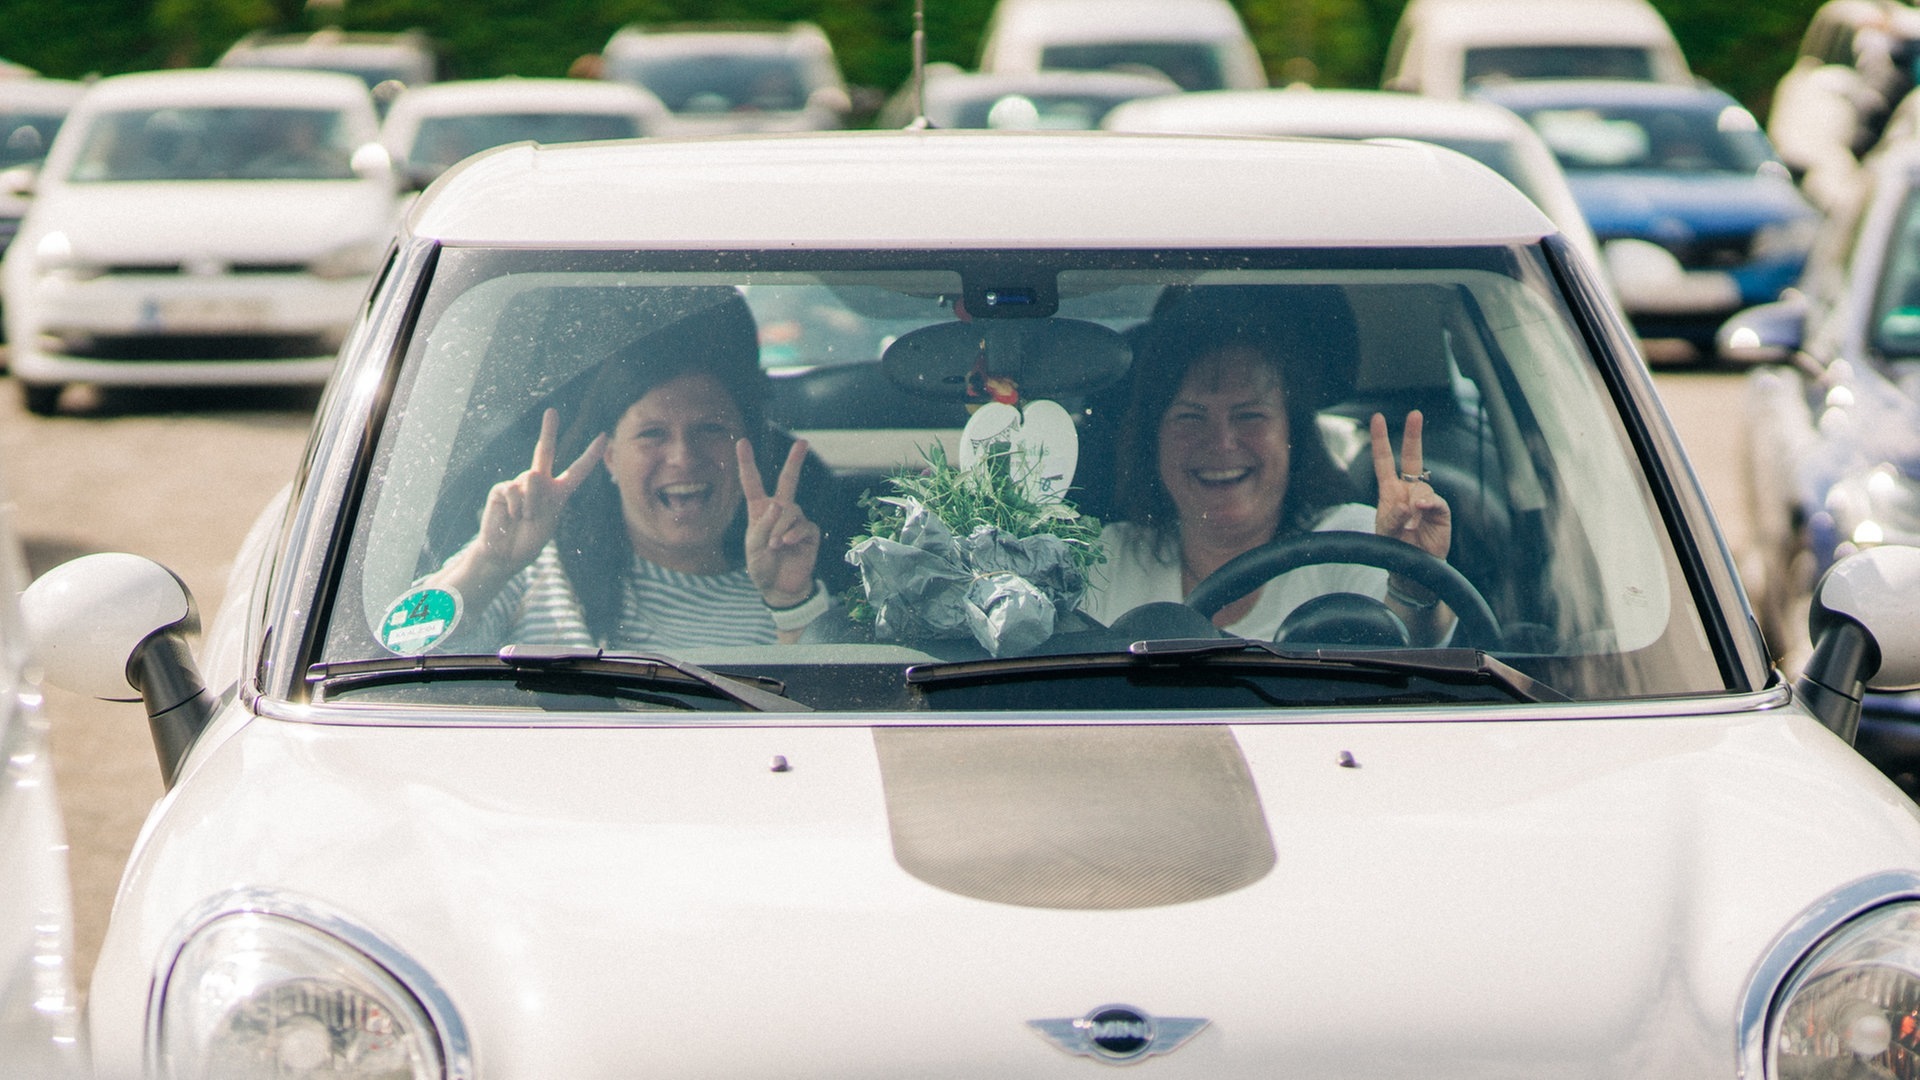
{"x": 1441, "y": 665}
{"x": 752, "y": 692}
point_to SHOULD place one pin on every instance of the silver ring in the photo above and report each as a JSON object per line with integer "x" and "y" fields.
{"x": 1421, "y": 477}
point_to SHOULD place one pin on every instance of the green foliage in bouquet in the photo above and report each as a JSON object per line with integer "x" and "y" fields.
{"x": 989, "y": 494}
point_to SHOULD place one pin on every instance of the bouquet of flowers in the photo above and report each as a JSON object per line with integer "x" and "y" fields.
{"x": 988, "y": 546}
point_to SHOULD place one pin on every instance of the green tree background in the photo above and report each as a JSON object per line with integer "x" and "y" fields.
{"x": 1740, "y": 45}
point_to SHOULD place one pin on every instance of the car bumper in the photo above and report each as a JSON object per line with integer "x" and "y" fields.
{"x": 168, "y": 329}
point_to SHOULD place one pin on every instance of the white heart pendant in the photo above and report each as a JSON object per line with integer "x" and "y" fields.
{"x": 1049, "y": 447}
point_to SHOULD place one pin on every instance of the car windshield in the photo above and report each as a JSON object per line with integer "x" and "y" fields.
{"x": 1896, "y": 309}
{"x": 1027, "y": 112}
{"x": 1503, "y": 63}
{"x": 27, "y": 136}
{"x": 1195, "y": 65}
{"x": 1016, "y": 457}
{"x": 215, "y": 143}
{"x": 443, "y": 140}
{"x": 718, "y": 82}
{"x": 1597, "y": 138}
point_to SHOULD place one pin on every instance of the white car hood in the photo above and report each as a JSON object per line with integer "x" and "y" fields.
{"x": 257, "y": 220}
{"x": 1575, "y": 898}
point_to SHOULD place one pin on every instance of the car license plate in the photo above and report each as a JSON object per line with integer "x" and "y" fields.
{"x": 213, "y": 313}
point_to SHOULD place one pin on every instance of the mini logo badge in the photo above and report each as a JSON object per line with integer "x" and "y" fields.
{"x": 1119, "y": 1034}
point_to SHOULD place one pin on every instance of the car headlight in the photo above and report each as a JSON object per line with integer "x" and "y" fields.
{"x": 254, "y": 995}
{"x": 1852, "y": 1007}
{"x": 357, "y": 259}
{"x": 54, "y": 256}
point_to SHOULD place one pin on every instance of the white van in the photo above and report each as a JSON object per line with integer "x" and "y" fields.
{"x": 1199, "y": 44}
{"x": 1443, "y": 47}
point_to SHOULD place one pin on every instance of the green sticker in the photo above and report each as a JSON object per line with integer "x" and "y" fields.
{"x": 1901, "y": 322}
{"x": 416, "y": 621}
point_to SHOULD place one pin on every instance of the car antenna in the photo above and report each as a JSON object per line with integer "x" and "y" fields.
{"x": 919, "y": 122}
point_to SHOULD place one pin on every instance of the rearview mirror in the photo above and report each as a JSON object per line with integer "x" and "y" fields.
{"x": 1044, "y": 357}
{"x": 1768, "y": 334}
{"x": 1864, "y": 634}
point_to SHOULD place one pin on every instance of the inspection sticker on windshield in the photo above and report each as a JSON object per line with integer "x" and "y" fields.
{"x": 416, "y": 621}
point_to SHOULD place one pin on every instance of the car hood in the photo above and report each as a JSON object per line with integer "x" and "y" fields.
{"x": 1642, "y": 204}
{"x": 1550, "y": 899}
{"x": 265, "y": 220}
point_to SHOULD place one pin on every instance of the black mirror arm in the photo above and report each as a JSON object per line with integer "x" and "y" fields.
{"x": 1835, "y": 678}
{"x": 178, "y": 704}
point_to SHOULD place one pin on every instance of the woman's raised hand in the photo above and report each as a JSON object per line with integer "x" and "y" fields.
{"x": 1409, "y": 508}
{"x": 523, "y": 513}
{"x": 782, "y": 545}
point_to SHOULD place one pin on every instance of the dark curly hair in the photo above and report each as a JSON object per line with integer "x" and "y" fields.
{"x": 720, "y": 340}
{"x": 1306, "y": 333}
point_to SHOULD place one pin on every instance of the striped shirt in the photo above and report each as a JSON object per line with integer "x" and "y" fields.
{"x": 659, "y": 609}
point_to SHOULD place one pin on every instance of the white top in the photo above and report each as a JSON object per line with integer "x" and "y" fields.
{"x": 1135, "y": 574}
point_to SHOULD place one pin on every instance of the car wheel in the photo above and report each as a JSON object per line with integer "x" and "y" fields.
{"x": 41, "y": 399}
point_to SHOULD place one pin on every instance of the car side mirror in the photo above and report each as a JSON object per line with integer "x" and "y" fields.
{"x": 115, "y": 627}
{"x": 1864, "y": 634}
{"x": 1768, "y": 334}
{"x": 20, "y": 180}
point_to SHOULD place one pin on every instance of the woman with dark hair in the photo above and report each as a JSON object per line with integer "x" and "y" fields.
{"x": 675, "y": 542}
{"x": 1222, "y": 454}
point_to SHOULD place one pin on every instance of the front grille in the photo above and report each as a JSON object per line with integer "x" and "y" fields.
{"x": 1715, "y": 252}
{"x": 199, "y": 346}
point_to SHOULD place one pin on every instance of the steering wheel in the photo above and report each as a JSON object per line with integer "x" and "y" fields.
{"x": 1478, "y": 627}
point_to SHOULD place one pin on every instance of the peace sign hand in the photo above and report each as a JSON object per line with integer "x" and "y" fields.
{"x": 523, "y": 513}
{"x": 782, "y": 545}
{"x": 1409, "y": 508}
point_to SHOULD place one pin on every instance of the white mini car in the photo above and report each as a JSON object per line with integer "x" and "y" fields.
{"x": 429, "y": 128}
{"x": 1489, "y": 134}
{"x": 728, "y": 79}
{"x": 1442, "y": 48}
{"x": 1199, "y": 44}
{"x": 205, "y": 227}
{"x": 947, "y": 742}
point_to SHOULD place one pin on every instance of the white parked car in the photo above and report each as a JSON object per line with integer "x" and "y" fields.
{"x": 726, "y": 79}
{"x": 1509, "y": 790}
{"x": 31, "y": 112}
{"x": 386, "y": 62}
{"x": 1445, "y": 47}
{"x": 429, "y": 128}
{"x": 1199, "y": 44}
{"x": 205, "y": 227}
{"x": 40, "y": 1025}
{"x": 1491, "y": 135}
{"x": 949, "y": 97}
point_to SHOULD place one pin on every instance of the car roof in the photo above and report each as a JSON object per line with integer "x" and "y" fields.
{"x": 973, "y": 190}
{"x": 235, "y": 86}
{"x": 1597, "y": 22}
{"x": 1538, "y": 93}
{"x": 506, "y": 94}
{"x": 1302, "y": 111}
{"x": 41, "y": 93}
{"x": 1108, "y": 20}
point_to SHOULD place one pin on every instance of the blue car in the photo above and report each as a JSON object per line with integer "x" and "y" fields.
{"x": 1696, "y": 216}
